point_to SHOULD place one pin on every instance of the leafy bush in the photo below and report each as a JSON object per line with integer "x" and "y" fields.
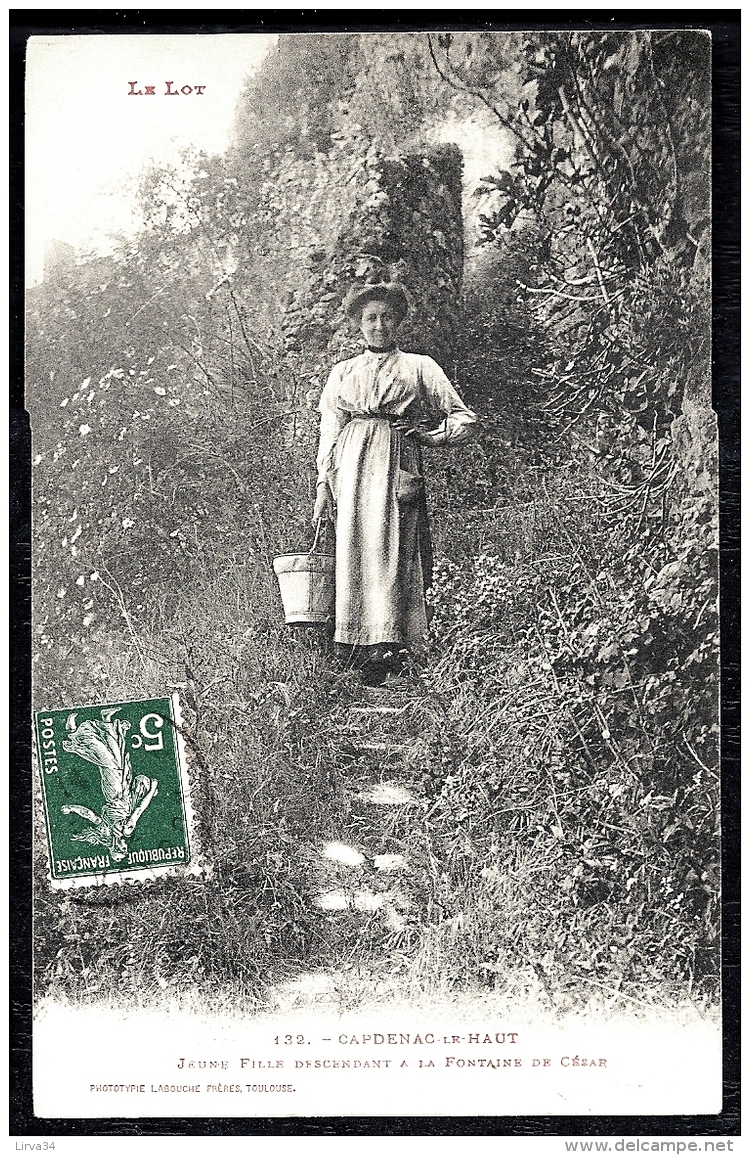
{"x": 583, "y": 747}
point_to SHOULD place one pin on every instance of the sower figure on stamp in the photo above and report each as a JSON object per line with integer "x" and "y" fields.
{"x": 126, "y": 796}
{"x": 375, "y": 411}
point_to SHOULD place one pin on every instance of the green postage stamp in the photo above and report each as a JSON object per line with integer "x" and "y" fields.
{"x": 114, "y": 791}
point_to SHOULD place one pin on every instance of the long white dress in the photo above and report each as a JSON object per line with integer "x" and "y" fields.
{"x": 383, "y": 554}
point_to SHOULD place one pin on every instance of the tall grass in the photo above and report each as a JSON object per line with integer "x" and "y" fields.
{"x": 538, "y": 858}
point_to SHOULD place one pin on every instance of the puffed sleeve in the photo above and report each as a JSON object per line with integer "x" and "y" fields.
{"x": 460, "y": 421}
{"x": 332, "y": 421}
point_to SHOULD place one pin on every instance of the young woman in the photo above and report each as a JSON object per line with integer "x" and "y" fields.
{"x": 376, "y": 409}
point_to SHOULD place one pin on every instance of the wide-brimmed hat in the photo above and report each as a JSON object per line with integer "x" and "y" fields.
{"x": 389, "y": 291}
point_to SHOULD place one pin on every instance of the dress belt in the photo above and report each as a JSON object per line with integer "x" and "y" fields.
{"x": 391, "y": 418}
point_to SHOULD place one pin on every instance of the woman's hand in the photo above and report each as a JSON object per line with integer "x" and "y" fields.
{"x": 424, "y": 436}
{"x": 323, "y": 504}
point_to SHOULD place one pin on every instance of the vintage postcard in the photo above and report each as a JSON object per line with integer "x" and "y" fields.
{"x": 375, "y": 564}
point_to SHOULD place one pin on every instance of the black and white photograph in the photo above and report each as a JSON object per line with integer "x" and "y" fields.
{"x": 375, "y": 574}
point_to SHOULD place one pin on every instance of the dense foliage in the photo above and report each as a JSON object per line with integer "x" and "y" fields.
{"x": 563, "y": 734}
{"x": 621, "y": 625}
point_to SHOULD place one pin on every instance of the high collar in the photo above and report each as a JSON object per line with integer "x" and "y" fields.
{"x": 381, "y": 352}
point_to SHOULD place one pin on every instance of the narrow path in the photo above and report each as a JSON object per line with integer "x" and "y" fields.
{"x": 368, "y": 880}
{"x": 360, "y": 871}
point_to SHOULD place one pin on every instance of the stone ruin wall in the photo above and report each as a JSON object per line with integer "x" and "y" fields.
{"x": 406, "y": 226}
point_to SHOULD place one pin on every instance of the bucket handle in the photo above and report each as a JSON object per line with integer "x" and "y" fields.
{"x": 318, "y": 528}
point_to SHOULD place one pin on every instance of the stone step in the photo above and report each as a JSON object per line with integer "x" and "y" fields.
{"x": 388, "y": 794}
{"x": 338, "y": 857}
{"x": 343, "y": 854}
{"x": 366, "y": 902}
{"x": 385, "y": 695}
{"x": 362, "y": 740}
{"x": 362, "y": 900}
{"x": 375, "y": 709}
{"x": 390, "y": 863}
{"x": 378, "y": 745}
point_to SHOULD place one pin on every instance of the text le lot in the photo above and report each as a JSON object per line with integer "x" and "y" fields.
{"x": 171, "y": 89}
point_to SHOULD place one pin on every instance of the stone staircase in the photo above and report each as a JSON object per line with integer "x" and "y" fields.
{"x": 368, "y": 881}
{"x": 367, "y": 870}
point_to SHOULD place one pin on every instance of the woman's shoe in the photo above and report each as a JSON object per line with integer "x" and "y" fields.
{"x": 374, "y": 673}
